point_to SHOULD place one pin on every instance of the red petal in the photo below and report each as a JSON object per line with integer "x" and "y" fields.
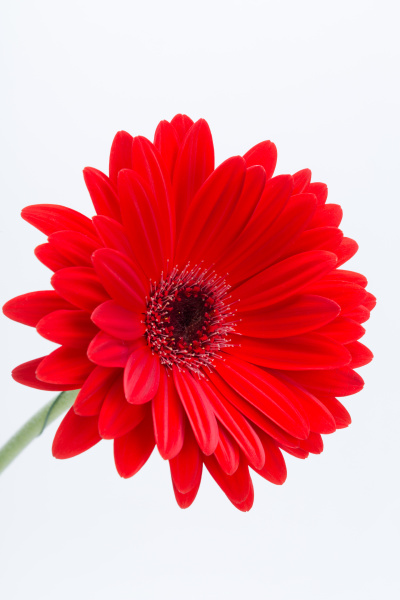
{"x": 75, "y": 246}
{"x": 227, "y": 453}
{"x": 347, "y": 295}
{"x": 51, "y": 258}
{"x": 142, "y": 223}
{"x": 117, "y": 416}
{"x": 361, "y": 355}
{"x": 30, "y": 308}
{"x": 109, "y": 351}
{"x": 49, "y": 218}
{"x": 273, "y": 200}
{"x": 195, "y": 162}
{"x": 168, "y": 418}
{"x": 112, "y": 234}
{"x": 148, "y": 163}
{"x": 181, "y": 125}
{"x": 266, "y": 393}
{"x": 287, "y": 227}
{"x": 118, "y": 322}
{"x": 337, "y": 410}
{"x": 264, "y": 154}
{"x": 343, "y": 330}
{"x": 185, "y": 500}
{"x": 75, "y": 435}
{"x": 67, "y": 327}
{"x": 66, "y": 366}
{"x": 369, "y": 301}
{"x": 349, "y": 276}
{"x": 359, "y": 314}
{"x": 252, "y": 190}
{"x": 80, "y": 286}
{"x": 313, "y": 443}
{"x": 255, "y": 416}
{"x": 141, "y": 376}
{"x": 247, "y": 504}
{"x": 327, "y": 215}
{"x": 284, "y": 279}
{"x": 297, "y": 452}
{"x": 121, "y": 154}
{"x": 166, "y": 142}
{"x": 236, "y": 424}
{"x": 336, "y": 382}
{"x": 198, "y": 409}
{"x": 26, "y": 375}
{"x": 104, "y": 198}
{"x": 321, "y": 238}
{"x": 346, "y": 250}
{"x": 237, "y": 486}
{"x": 132, "y": 451}
{"x": 186, "y": 465}
{"x": 274, "y": 469}
{"x": 90, "y": 398}
{"x": 121, "y": 279}
{"x": 301, "y": 179}
{"x": 210, "y": 209}
{"x": 300, "y": 352}
{"x": 321, "y": 420}
{"x": 303, "y": 314}
{"x": 320, "y": 190}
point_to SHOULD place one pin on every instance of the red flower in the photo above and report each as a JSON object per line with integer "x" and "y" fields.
{"x": 201, "y": 310}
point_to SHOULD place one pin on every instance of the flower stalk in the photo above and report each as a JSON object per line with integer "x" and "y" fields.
{"x": 35, "y": 427}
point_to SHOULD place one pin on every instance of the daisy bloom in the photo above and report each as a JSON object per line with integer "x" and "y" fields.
{"x": 202, "y": 310}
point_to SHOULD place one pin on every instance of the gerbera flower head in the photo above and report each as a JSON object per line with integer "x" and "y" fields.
{"x": 202, "y": 310}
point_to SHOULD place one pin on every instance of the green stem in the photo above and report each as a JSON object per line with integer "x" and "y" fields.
{"x": 35, "y": 426}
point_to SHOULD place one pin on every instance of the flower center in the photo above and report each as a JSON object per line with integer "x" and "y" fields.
{"x": 188, "y": 318}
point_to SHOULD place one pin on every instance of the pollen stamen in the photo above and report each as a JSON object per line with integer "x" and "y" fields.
{"x": 189, "y": 318}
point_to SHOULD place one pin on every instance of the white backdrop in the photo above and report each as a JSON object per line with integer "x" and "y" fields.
{"x": 320, "y": 79}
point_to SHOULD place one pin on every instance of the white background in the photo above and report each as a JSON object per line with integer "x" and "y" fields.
{"x": 319, "y": 79}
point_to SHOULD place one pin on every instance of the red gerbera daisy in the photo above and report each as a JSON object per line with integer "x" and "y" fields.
{"x": 201, "y": 310}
